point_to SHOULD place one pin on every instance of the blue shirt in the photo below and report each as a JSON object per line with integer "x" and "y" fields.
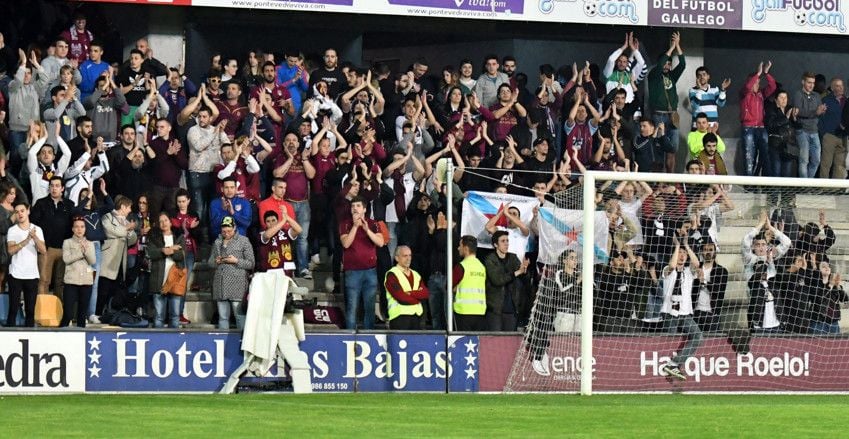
{"x": 90, "y": 71}
{"x": 241, "y": 213}
{"x": 830, "y": 120}
{"x": 286, "y": 76}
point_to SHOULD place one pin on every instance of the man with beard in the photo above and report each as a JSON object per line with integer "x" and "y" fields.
{"x": 710, "y": 290}
{"x": 705, "y": 98}
{"x": 105, "y": 106}
{"x": 330, "y": 73}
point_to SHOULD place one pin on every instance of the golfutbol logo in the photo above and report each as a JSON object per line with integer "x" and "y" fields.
{"x": 817, "y": 13}
{"x": 599, "y": 8}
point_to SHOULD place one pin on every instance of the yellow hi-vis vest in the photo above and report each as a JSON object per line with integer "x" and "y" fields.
{"x": 396, "y": 308}
{"x": 471, "y": 291}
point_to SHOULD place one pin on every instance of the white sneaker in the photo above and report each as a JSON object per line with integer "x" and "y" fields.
{"x": 93, "y": 319}
{"x": 315, "y": 259}
{"x": 305, "y": 273}
{"x": 541, "y": 366}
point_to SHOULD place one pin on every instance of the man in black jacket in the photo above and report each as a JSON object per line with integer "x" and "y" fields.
{"x": 53, "y": 215}
{"x": 709, "y": 291}
{"x": 502, "y": 295}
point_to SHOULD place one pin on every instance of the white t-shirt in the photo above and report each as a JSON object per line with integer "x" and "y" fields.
{"x": 704, "y": 295}
{"x": 632, "y": 209}
{"x": 409, "y": 188}
{"x": 682, "y": 298}
{"x": 24, "y": 264}
{"x": 169, "y": 262}
{"x": 770, "y": 317}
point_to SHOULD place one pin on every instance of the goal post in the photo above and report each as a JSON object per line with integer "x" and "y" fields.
{"x": 768, "y": 335}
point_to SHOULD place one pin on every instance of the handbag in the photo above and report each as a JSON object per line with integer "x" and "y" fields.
{"x": 175, "y": 282}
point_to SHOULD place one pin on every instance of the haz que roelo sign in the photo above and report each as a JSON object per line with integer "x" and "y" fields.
{"x": 41, "y": 362}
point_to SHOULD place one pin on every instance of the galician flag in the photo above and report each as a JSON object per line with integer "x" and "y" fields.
{"x": 479, "y": 207}
{"x": 561, "y": 229}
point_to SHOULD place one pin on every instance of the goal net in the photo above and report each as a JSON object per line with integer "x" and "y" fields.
{"x": 689, "y": 283}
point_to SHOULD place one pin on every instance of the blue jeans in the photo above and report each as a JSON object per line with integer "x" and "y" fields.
{"x": 224, "y": 307}
{"x": 92, "y": 304}
{"x": 160, "y": 303}
{"x": 671, "y": 130}
{"x": 437, "y": 285}
{"x": 756, "y": 141}
{"x": 685, "y": 324}
{"x": 190, "y": 265}
{"x": 360, "y": 285}
{"x": 825, "y": 328}
{"x": 201, "y": 186}
{"x": 779, "y": 165}
{"x": 809, "y": 153}
{"x": 302, "y": 245}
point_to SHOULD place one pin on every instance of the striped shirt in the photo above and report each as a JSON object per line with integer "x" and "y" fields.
{"x": 706, "y": 101}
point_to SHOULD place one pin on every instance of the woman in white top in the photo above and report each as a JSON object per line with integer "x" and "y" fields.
{"x": 165, "y": 248}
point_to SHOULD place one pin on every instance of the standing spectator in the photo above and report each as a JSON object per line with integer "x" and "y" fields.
{"x": 707, "y": 311}
{"x": 469, "y": 283}
{"x": 232, "y": 256}
{"x": 24, "y": 95}
{"x": 53, "y": 215}
{"x": 294, "y": 77}
{"x": 810, "y": 108}
{"x": 679, "y": 278}
{"x": 486, "y": 87}
{"x": 232, "y": 109}
{"x": 330, "y": 73}
{"x": 782, "y": 138}
{"x": 8, "y": 194}
{"x": 623, "y": 68}
{"x": 649, "y": 145}
{"x": 755, "y": 247}
{"x": 705, "y": 98}
{"x": 752, "y": 117}
{"x": 152, "y": 108}
{"x": 25, "y": 241}
{"x": 503, "y": 294}
{"x": 79, "y": 38}
{"x": 505, "y": 113}
{"x": 232, "y": 206}
{"x": 793, "y": 287}
{"x": 165, "y": 249}
{"x": 276, "y": 202}
{"x": 465, "y": 81}
{"x": 579, "y": 128}
{"x": 296, "y": 170}
{"x": 78, "y": 254}
{"x": 40, "y": 164}
{"x": 405, "y": 292}
{"x": 168, "y": 161}
{"x": 360, "y": 237}
{"x": 92, "y": 68}
{"x": 663, "y": 95}
{"x": 84, "y": 140}
{"x": 276, "y": 243}
{"x": 84, "y": 172}
{"x": 120, "y": 234}
{"x": 53, "y": 63}
{"x": 238, "y": 162}
{"x": 709, "y": 157}
{"x": 93, "y": 214}
{"x": 132, "y": 78}
{"x": 177, "y": 90}
{"x": 205, "y": 142}
{"x": 188, "y": 222}
{"x": 826, "y": 296}
{"x": 105, "y": 106}
{"x": 281, "y": 99}
{"x": 761, "y": 312}
{"x": 150, "y": 64}
{"x": 66, "y": 108}
{"x": 437, "y": 284}
{"x": 833, "y": 164}
{"x": 229, "y": 70}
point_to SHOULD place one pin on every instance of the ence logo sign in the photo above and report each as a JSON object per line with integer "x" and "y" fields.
{"x": 40, "y": 362}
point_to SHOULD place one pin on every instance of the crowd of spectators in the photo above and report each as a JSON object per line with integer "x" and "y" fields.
{"x": 115, "y": 173}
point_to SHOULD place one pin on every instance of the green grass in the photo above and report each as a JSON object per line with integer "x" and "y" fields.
{"x": 423, "y": 415}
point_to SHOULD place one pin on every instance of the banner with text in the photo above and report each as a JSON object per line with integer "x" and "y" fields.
{"x": 634, "y": 364}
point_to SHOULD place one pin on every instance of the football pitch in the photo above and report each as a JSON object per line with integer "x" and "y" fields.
{"x": 423, "y": 415}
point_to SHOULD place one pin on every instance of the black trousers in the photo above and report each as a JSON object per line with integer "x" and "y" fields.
{"x": 406, "y": 323}
{"x": 469, "y": 323}
{"x": 75, "y": 296}
{"x": 30, "y": 289}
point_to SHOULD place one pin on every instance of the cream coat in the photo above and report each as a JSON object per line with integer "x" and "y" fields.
{"x": 114, "y": 250}
{"x": 78, "y": 262}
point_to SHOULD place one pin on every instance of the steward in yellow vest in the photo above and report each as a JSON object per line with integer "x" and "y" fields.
{"x": 404, "y": 292}
{"x": 469, "y": 288}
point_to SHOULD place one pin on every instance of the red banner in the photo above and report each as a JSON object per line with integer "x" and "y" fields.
{"x": 634, "y": 363}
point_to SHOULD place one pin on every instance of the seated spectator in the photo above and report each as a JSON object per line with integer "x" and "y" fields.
{"x": 232, "y": 256}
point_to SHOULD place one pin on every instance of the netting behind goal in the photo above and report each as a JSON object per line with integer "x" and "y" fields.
{"x": 706, "y": 285}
